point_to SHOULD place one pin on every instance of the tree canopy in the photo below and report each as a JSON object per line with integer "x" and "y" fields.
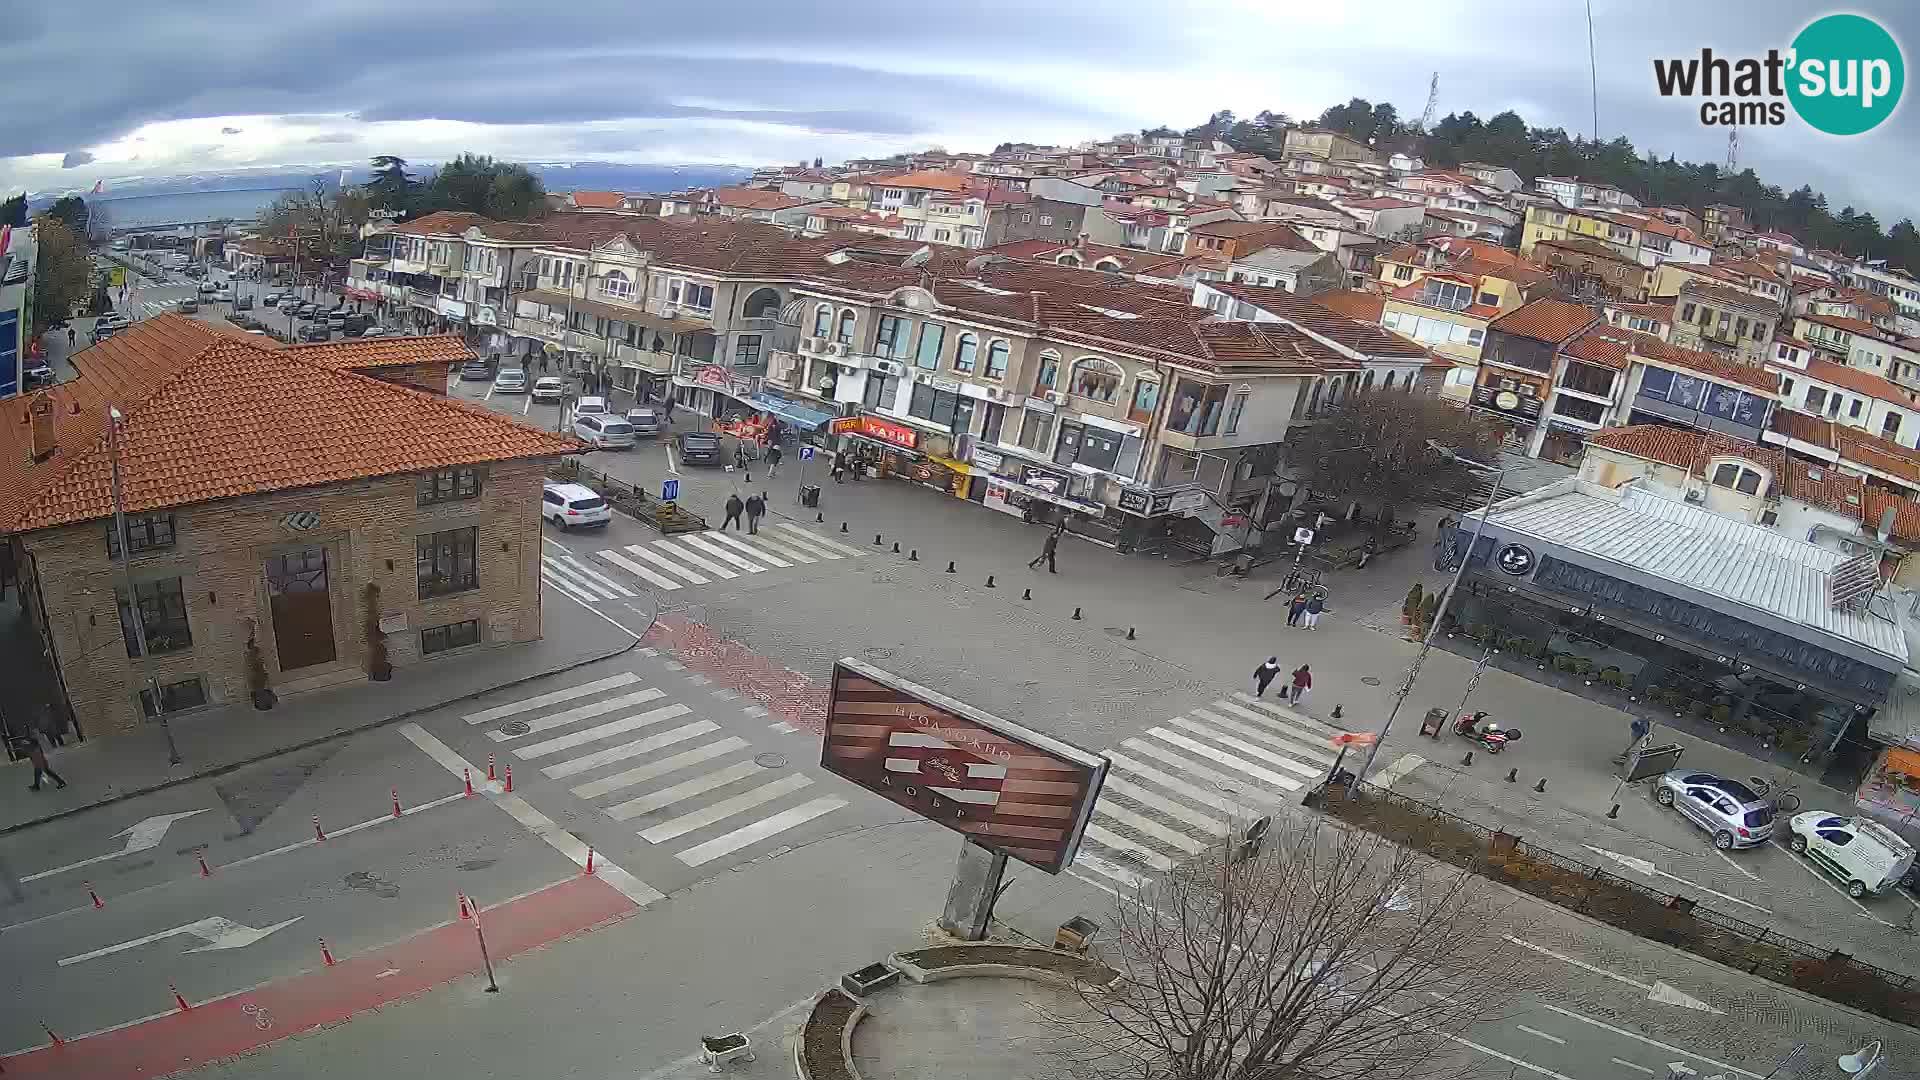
{"x": 14, "y": 211}
{"x": 63, "y": 272}
{"x": 1373, "y": 446}
{"x": 477, "y": 184}
{"x": 326, "y": 221}
{"x": 71, "y": 211}
{"x": 392, "y": 186}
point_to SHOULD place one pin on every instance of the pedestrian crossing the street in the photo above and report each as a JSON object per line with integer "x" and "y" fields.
{"x": 680, "y": 781}
{"x": 688, "y": 560}
{"x": 1193, "y": 782}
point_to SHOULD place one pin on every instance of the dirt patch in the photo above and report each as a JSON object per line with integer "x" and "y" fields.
{"x": 820, "y": 1041}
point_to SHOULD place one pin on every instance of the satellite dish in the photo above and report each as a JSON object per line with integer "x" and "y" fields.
{"x": 919, "y": 258}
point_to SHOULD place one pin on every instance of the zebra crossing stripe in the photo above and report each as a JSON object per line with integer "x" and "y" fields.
{"x": 561, "y": 573}
{"x": 1113, "y": 841}
{"x": 824, "y": 543}
{"x": 555, "y": 580}
{"x": 720, "y": 552}
{"x": 665, "y": 797}
{"x": 660, "y": 561}
{"x": 673, "y": 549}
{"x": 1248, "y": 748}
{"x": 1312, "y": 734}
{"x": 1233, "y": 810}
{"x": 639, "y": 571}
{"x": 601, "y": 731}
{"x": 554, "y": 697}
{"x": 602, "y": 580}
{"x": 725, "y": 808}
{"x": 796, "y": 537}
{"x": 1236, "y": 784}
{"x": 652, "y": 769}
{"x": 1143, "y": 824}
{"x": 759, "y": 830}
{"x": 1121, "y": 876}
{"x": 589, "y": 762}
{"x": 1292, "y": 744}
{"x": 1152, "y": 800}
{"x": 780, "y": 545}
{"x": 1286, "y": 714}
{"x": 582, "y": 712}
{"x": 741, "y": 545}
{"x": 757, "y": 545}
{"x": 1287, "y": 783}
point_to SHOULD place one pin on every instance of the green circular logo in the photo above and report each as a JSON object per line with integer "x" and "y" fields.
{"x": 1847, "y": 74}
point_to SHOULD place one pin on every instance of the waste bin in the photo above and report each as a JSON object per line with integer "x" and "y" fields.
{"x": 1075, "y": 934}
{"x": 810, "y": 495}
{"x": 1434, "y": 723}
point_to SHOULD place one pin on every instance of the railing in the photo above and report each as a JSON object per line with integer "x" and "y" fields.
{"x": 757, "y": 324}
{"x": 423, "y": 298}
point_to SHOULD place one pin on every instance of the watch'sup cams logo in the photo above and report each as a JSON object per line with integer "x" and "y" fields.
{"x": 1843, "y": 75}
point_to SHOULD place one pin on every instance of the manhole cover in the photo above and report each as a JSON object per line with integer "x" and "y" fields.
{"x": 1369, "y": 680}
{"x": 878, "y": 654}
{"x": 515, "y": 727}
{"x": 770, "y": 761}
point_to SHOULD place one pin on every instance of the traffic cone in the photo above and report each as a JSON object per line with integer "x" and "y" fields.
{"x": 317, "y": 833}
{"x": 589, "y": 860}
{"x": 326, "y": 953}
{"x": 467, "y": 775}
{"x": 509, "y": 777}
{"x": 205, "y": 870}
{"x": 464, "y": 913}
{"x": 490, "y": 775}
{"x": 94, "y": 896}
{"x": 177, "y": 999}
{"x": 396, "y": 802}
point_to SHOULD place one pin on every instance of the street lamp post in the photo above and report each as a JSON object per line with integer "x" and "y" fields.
{"x": 115, "y": 419}
{"x": 1426, "y": 644}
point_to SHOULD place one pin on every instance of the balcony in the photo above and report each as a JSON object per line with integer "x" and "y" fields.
{"x": 757, "y": 325}
{"x": 424, "y": 298}
{"x": 658, "y": 362}
{"x": 657, "y": 306}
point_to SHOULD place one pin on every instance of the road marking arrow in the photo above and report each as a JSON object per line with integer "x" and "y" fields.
{"x": 1646, "y": 867}
{"x": 141, "y": 835}
{"x": 218, "y": 933}
{"x": 1656, "y": 991}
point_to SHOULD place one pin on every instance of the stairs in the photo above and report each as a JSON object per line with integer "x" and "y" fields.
{"x": 320, "y": 677}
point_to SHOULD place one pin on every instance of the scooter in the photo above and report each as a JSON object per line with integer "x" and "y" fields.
{"x": 1493, "y": 738}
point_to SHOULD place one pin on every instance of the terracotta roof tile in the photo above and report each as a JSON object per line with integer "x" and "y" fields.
{"x": 442, "y": 223}
{"x": 1549, "y": 321}
{"x": 1858, "y": 380}
{"x": 1851, "y": 326}
{"x": 1712, "y": 365}
{"x": 746, "y": 198}
{"x": 1363, "y": 307}
{"x": 598, "y": 200}
{"x": 1683, "y": 448}
{"x": 1874, "y": 452}
{"x": 1307, "y": 312}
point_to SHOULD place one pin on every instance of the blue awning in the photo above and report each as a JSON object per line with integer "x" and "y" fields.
{"x": 791, "y": 411}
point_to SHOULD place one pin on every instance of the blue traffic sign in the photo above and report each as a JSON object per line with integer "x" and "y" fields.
{"x": 669, "y": 490}
{"x": 806, "y": 453}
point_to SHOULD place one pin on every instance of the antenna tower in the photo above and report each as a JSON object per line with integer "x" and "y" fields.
{"x": 1733, "y": 151}
{"x": 1433, "y": 102}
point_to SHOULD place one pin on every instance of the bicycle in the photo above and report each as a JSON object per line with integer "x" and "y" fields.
{"x": 1786, "y": 800}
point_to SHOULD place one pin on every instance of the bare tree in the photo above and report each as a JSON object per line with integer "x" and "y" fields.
{"x": 1328, "y": 954}
{"x": 326, "y": 221}
{"x": 1375, "y": 445}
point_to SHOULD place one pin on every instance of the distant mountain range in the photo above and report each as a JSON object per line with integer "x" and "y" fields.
{"x": 557, "y": 175}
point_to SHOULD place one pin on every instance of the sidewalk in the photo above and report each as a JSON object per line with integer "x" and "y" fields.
{"x": 111, "y": 768}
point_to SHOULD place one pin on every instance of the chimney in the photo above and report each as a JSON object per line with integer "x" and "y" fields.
{"x": 40, "y": 417}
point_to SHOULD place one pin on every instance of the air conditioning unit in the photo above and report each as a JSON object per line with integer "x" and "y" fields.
{"x": 835, "y": 348}
{"x": 1055, "y": 397}
{"x": 818, "y": 344}
{"x": 1695, "y": 495}
{"x": 996, "y": 393}
{"x": 889, "y": 367}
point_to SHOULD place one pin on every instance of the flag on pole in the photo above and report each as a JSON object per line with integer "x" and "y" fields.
{"x": 99, "y": 187}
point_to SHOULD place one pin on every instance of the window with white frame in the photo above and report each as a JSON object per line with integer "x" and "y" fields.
{"x": 964, "y": 353}
{"x": 822, "y": 321}
{"x": 617, "y": 286}
{"x": 690, "y": 294}
{"x": 1046, "y": 220}
{"x": 1095, "y": 378}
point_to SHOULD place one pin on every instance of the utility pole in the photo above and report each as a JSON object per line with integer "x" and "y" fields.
{"x": 115, "y": 421}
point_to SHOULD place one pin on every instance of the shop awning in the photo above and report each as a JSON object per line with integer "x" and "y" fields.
{"x": 791, "y": 411}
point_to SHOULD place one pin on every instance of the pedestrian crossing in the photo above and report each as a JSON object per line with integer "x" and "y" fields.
{"x": 688, "y": 560}
{"x": 679, "y": 780}
{"x": 1195, "y": 781}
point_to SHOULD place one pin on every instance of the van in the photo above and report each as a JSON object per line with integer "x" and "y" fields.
{"x": 1863, "y": 855}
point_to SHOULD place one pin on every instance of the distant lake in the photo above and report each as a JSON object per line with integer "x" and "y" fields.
{"x": 141, "y": 210}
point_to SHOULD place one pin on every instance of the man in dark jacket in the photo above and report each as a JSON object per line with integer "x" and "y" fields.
{"x": 38, "y": 756}
{"x": 1047, "y": 549}
{"x": 734, "y": 509}
{"x": 773, "y": 459}
{"x": 1264, "y": 675}
{"x": 756, "y": 506}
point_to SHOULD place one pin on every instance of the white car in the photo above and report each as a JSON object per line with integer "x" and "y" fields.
{"x": 604, "y": 431}
{"x": 223, "y": 296}
{"x": 590, "y": 406}
{"x": 569, "y": 505}
{"x": 374, "y": 331}
{"x": 549, "y": 388}
{"x": 1863, "y": 855}
{"x": 510, "y": 381}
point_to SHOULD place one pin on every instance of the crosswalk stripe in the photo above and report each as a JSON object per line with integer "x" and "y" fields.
{"x": 1285, "y": 713}
{"x": 781, "y": 545}
{"x": 553, "y": 697}
{"x": 1173, "y": 783}
{"x": 582, "y": 712}
{"x": 1292, "y": 744}
{"x": 1238, "y": 784}
{"x": 601, "y": 580}
{"x": 665, "y": 797}
{"x": 558, "y": 571}
{"x": 1195, "y": 746}
{"x": 759, "y": 546}
{"x": 1113, "y": 841}
{"x": 759, "y": 830}
{"x": 662, "y": 562}
{"x": 1127, "y": 879}
{"x": 1147, "y": 797}
{"x": 675, "y": 550}
{"x": 601, "y": 731}
{"x": 797, "y": 540}
{"x": 725, "y": 808}
{"x": 1246, "y": 747}
{"x": 720, "y": 552}
{"x": 822, "y": 541}
{"x": 1311, "y": 734}
{"x": 558, "y": 582}
{"x": 589, "y": 762}
{"x": 742, "y": 545}
{"x": 639, "y": 571}
{"x": 653, "y": 769}
{"x": 1110, "y": 809}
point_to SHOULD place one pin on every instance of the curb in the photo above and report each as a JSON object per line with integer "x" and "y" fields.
{"x": 230, "y": 766}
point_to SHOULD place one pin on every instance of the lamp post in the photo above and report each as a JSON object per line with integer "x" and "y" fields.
{"x": 115, "y": 420}
{"x": 1426, "y": 644}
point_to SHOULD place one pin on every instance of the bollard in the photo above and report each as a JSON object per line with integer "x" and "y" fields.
{"x": 1026, "y": 594}
{"x": 326, "y": 953}
{"x": 490, "y": 776}
{"x": 396, "y": 802}
{"x": 51, "y": 1034}
{"x": 1614, "y": 814}
{"x": 1542, "y": 785}
{"x": 896, "y": 547}
{"x": 205, "y": 870}
{"x": 1130, "y": 637}
{"x": 876, "y": 539}
{"x": 509, "y": 776}
{"x": 843, "y": 526}
{"x": 990, "y": 581}
{"x": 94, "y": 896}
{"x": 1337, "y": 711}
{"x": 1513, "y": 776}
{"x": 1076, "y": 613}
{"x": 820, "y": 519}
{"x": 950, "y": 567}
{"x": 1468, "y": 760}
{"x": 467, "y": 775}
{"x": 589, "y": 867}
{"x": 914, "y": 555}
{"x": 177, "y": 999}
{"x": 318, "y": 835}
{"x": 464, "y": 913}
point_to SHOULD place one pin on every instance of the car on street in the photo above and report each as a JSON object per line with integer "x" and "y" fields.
{"x": 510, "y": 381}
{"x": 645, "y": 420}
{"x": 306, "y": 311}
{"x": 1733, "y": 813}
{"x": 590, "y": 406}
{"x": 208, "y": 288}
{"x": 272, "y": 299}
{"x": 189, "y": 305}
{"x": 605, "y": 432}
{"x": 374, "y": 331}
{"x": 1866, "y": 857}
{"x": 316, "y": 332}
{"x": 223, "y": 296}
{"x": 474, "y": 370}
{"x": 38, "y": 373}
{"x": 699, "y": 448}
{"x": 570, "y": 505}
{"x": 549, "y": 388}
{"x": 288, "y": 305}
{"x": 336, "y": 321}
{"x": 244, "y": 303}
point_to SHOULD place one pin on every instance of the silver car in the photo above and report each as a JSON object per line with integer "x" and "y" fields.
{"x": 1735, "y": 814}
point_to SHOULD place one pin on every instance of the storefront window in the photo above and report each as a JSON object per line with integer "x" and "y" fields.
{"x": 882, "y": 391}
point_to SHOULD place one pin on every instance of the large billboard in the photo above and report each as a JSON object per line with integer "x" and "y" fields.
{"x": 1011, "y": 789}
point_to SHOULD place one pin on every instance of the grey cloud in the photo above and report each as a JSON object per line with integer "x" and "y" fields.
{"x": 334, "y": 137}
{"x": 76, "y": 158}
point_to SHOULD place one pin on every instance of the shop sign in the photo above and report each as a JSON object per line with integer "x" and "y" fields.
{"x": 721, "y": 379}
{"x": 1135, "y": 501}
{"x": 1185, "y": 502}
{"x": 1040, "y": 404}
{"x": 1041, "y": 480}
{"x": 951, "y": 386}
{"x": 486, "y": 316}
{"x": 986, "y": 459}
{"x": 886, "y": 431}
{"x": 1515, "y": 559}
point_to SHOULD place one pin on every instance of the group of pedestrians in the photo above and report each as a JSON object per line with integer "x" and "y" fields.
{"x": 1305, "y": 608}
{"x": 1293, "y": 692}
{"x": 754, "y": 507}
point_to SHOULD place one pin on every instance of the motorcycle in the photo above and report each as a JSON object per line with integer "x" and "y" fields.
{"x": 1493, "y": 738}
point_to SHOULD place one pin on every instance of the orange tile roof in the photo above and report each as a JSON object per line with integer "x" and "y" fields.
{"x": 442, "y": 223}
{"x": 1550, "y": 321}
{"x": 1851, "y": 326}
{"x": 1361, "y": 306}
{"x": 924, "y": 178}
{"x": 598, "y": 200}
{"x": 1681, "y": 447}
{"x": 1803, "y": 427}
{"x": 361, "y": 355}
{"x": 1874, "y": 452}
{"x": 746, "y": 198}
{"x": 211, "y": 417}
{"x": 1858, "y": 380}
{"x": 1906, "y": 513}
{"x": 1607, "y": 346}
{"x": 1712, "y": 365}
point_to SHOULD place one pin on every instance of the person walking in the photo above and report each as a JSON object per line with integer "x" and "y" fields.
{"x": 1047, "y": 549}
{"x": 70, "y": 336}
{"x": 756, "y": 507}
{"x": 667, "y": 406}
{"x": 1302, "y": 684}
{"x": 1640, "y": 729}
{"x": 38, "y": 756}
{"x": 838, "y": 470}
{"x": 1296, "y": 607}
{"x": 1311, "y": 617}
{"x": 734, "y": 509}
{"x": 1264, "y": 675}
{"x": 773, "y": 459}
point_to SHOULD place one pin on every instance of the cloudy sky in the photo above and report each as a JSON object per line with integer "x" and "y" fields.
{"x": 161, "y": 88}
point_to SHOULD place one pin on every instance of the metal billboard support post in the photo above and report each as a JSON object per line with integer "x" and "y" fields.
{"x": 976, "y": 885}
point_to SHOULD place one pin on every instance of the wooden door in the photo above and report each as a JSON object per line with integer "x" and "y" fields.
{"x": 302, "y": 607}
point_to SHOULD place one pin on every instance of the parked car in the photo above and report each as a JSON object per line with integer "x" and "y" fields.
{"x": 272, "y": 299}
{"x": 604, "y": 432}
{"x": 510, "y": 381}
{"x": 375, "y": 331}
{"x": 244, "y": 303}
{"x": 356, "y": 321}
{"x": 645, "y": 420}
{"x": 699, "y": 448}
{"x": 38, "y": 373}
{"x": 568, "y": 505}
{"x": 1735, "y": 815}
{"x": 590, "y": 406}
{"x": 307, "y": 311}
{"x": 223, "y": 296}
{"x": 336, "y": 321}
{"x": 1863, "y": 855}
{"x": 316, "y": 332}
{"x": 208, "y": 288}
{"x": 474, "y": 370}
{"x": 289, "y": 305}
{"x": 549, "y": 388}
{"x": 189, "y": 305}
